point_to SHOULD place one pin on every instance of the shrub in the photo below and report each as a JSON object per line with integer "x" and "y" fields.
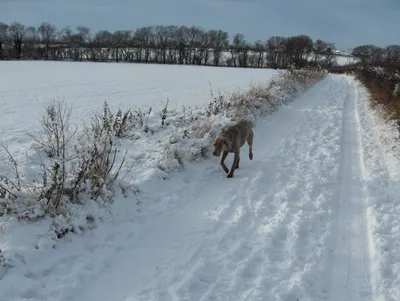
{"x": 263, "y": 99}
{"x": 97, "y": 151}
{"x": 71, "y": 165}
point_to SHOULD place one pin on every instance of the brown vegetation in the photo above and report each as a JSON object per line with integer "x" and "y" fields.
{"x": 379, "y": 70}
{"x": 382, "y": 87}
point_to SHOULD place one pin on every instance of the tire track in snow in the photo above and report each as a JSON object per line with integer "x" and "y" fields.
{"x": 349, "y": 275}
{"x": 308, "y": 169}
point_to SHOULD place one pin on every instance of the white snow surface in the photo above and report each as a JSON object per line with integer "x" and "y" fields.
{"x": 346, "y": 60}
{"x": 313, "y": 217}
{"x": 27, "y": 86}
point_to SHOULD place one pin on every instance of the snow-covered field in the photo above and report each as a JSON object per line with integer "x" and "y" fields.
{"x": 343, "y": 60}
{"x": 26, "y": 87}
{"x": 313, "y": 217}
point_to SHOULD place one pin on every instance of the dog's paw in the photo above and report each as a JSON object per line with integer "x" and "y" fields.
{"x": 251, "y": 156}
{"x": 230, "y": 176}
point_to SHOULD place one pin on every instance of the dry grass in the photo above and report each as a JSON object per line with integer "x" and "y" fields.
{"x": 382, "y": 86}
{"x": 262, "y": 99}
{"x": 73, "y": 166}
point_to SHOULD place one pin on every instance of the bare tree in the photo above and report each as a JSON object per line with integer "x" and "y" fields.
{"x": 276, "y": 48}
{"x": 202, "y": 46}
{"x": 17, "y": 32}
{"x": 298, "y": 49}
{"x": 239, "y": 50}
{"x": 364, "y": 53}
{"x": 71, "y": 43}
{"x": 193, "y": 39}
{"x": 32, "y": 47}
{"x": 103, "y": 42}
{"x": 259, "y": 49}
{"x": 83, "y": 39}
{"x": 329, "y": 55}
{"x": 323, "y": 50}
{"x": 219, "y": 42}
{"x": 161, "y": 42}
{"x": 172, "y": 43}
{"x": 181, "y": 44}
{"x": 3, "y": 38}
{"x": 48, "y": 34}
{"x": 123, "y": 39}
{"x": 319, "y": 48}
{"x": 147, "y": 36}
{"x": 141, "y": 41}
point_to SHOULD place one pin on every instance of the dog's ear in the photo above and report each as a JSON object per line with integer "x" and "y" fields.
{"x": 227, "y": 142}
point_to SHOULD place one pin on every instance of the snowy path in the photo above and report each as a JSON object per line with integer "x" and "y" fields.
{"x": 289, "y": 226}
{"x": 350, "y": 273}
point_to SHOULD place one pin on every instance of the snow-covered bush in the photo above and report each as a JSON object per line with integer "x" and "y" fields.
{"x": 68, "y": 167}
{"x": 97, "y": 148}
{"x": 264, "y": 99}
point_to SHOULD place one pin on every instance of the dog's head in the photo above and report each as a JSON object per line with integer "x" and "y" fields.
{"x": 221, "y": 144}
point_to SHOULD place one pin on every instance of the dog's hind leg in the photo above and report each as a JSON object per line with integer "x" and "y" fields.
{"x": 250, "y": 143}
{"x": 224, "y": 155}
{"x": 237, "y": 165}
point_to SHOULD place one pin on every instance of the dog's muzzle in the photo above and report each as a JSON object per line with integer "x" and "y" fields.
{"x": 215, "y": 154}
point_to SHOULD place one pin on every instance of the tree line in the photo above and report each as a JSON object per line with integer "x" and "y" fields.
{"x": 371, "y": 55}
{"x": 161, "y": 44}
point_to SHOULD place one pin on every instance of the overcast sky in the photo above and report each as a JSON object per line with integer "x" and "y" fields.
{"x": 347, "y": 23}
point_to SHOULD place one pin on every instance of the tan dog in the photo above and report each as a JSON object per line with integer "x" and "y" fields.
{"x": 231, "y": 140}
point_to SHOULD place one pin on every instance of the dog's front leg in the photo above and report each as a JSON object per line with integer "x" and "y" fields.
{"x": 224, "y": 155}
{"x": 234, "y": 164}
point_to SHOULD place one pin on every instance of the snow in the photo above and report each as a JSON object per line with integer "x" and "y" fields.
{"x": 312, "y": 217}
{"x": 339, "y": 58}
{"x": 141, "y": 85}
{"x": 383, "y": 175}
{"x": 346, "y": 60}
{"x": 26, "y": 87}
